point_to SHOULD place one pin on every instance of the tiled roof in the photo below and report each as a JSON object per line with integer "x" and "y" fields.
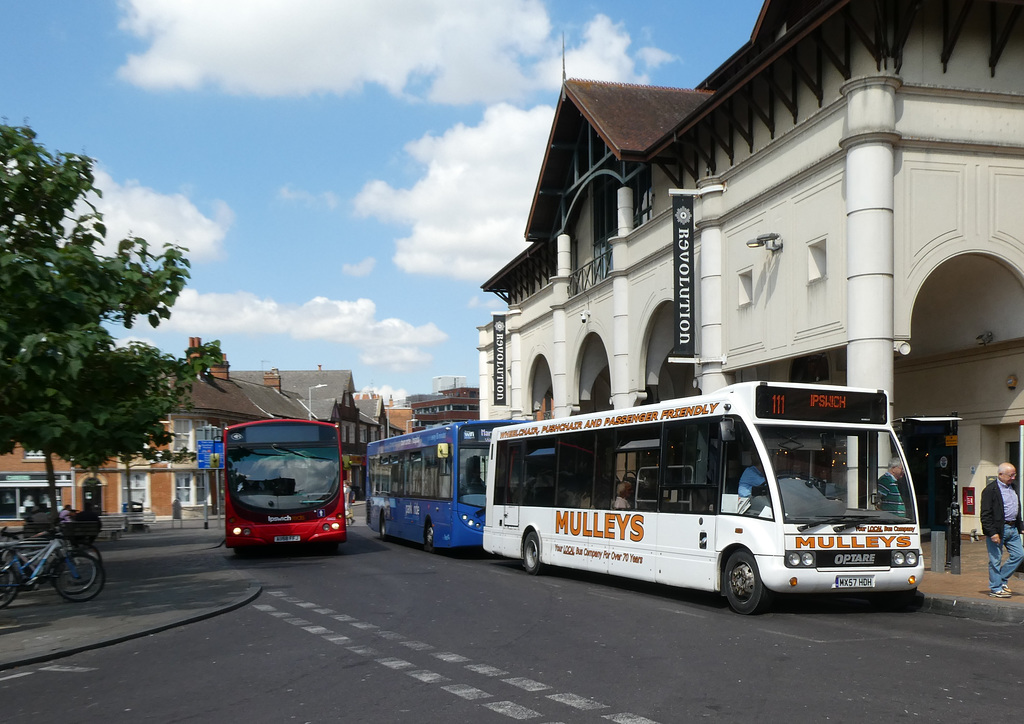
{"x": 631, "y": 118}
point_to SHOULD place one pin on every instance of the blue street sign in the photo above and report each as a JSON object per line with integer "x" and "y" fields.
{"x": 210, "y": 454}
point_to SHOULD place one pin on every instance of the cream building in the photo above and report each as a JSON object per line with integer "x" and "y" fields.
{"x": 880, "y": 156}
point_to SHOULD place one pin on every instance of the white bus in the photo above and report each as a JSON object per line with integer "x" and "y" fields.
{"x": 754, "y": 490}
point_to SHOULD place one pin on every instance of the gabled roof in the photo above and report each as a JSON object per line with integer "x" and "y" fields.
{"x": 303, "y": 384}
{"x": 241, "y": 399}
{"x": 630, "y": 119}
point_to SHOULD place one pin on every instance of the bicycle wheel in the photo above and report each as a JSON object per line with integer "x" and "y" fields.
{"x": 10, "y": 582}
{"x": 79, "y": 577}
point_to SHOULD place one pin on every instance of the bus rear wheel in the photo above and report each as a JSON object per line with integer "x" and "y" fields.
{"x": 531, "y": 553}
{"x": 428, "y": 538}
{"x": 744, "y": 588}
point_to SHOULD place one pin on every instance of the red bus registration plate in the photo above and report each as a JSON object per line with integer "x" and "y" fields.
{"x": 287, "y": 538}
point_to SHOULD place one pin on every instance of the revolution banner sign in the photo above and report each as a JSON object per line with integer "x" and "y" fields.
{"x": 685, "y": 339}
{"x": 500, "y": 382}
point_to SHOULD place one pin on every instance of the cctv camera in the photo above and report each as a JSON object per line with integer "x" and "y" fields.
{"x": 584, "y": 317}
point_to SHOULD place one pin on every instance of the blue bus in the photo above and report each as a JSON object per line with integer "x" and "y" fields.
{"x": 428, "y": 487}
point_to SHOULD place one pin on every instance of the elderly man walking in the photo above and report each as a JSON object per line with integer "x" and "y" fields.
{"x": 1001, "y": 524}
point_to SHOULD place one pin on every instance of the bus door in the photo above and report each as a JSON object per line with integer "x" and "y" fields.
{"x": 687, "y": 504}
{"x": 508, "y": 485}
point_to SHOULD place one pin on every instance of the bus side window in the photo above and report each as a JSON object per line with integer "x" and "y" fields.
{"x": 690, "y": 474}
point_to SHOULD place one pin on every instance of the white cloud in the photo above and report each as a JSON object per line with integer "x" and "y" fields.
{"x": 390, "y": 343}
{"x": 441, "y": 51}
{"x": 327, "y": 199}
{"x": 468, "y": 211}
{"x": 361, "y": 269}
{"x": 161, "y": 218}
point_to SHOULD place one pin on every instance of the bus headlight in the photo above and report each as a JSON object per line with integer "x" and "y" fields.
{"x": 798, "y": 559}
{"x": 907, "y": 559}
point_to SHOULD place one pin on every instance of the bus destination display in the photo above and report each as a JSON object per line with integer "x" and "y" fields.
{"x": 820, "y": 404}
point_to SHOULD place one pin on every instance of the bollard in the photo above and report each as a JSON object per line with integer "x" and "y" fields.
{"x": 939, "y": 551}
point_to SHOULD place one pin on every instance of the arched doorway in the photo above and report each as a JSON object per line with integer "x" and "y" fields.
{"x": 595, "y": 385}
{"x": 664, "y": 380}
{"x": 542, "y": 396}
{"x": 966, "y": 337}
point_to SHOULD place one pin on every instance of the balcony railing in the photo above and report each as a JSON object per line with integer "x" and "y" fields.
{"x": 590, "y": 274}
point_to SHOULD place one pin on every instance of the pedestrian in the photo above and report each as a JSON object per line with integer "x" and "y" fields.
{"x": 66, "y": 514}
{"x": 890, "y": 497}
{"x": 1001, "y": 524}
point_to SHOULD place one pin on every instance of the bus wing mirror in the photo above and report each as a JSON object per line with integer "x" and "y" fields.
{"x": 442, "y": 450}
{"x": 727, "y": 430}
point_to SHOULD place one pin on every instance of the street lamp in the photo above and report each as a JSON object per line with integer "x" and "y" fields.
{"x": 310, "y": 391}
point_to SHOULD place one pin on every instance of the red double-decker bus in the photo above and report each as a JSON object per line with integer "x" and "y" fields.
{"x": 283, "y": 484}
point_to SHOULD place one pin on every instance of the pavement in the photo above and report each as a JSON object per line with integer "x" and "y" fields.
{"x": 171, "y": 576}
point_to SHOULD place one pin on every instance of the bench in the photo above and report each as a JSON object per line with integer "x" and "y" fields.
{"x": 81, "y": 531}
{"x": 141, "y": 520}
{"x": 112, "y": 526}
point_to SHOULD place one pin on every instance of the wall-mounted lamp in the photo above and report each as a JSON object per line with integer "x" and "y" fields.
{"x": 771, "y": 242}
{"x": 984, "y": 338}
{"x": 1011, "y": 382}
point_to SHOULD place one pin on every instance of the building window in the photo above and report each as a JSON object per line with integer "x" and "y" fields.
{"x": 816, "y": 261}
{"x": 139, "y": 488}
{"x": 183, "y": 488}
{"x": 745, "y": 288}
{"x": 182, "y": 435}
{"x": 35, "y": 455}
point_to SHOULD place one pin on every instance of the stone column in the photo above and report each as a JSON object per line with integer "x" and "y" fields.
{"x": 869, "y": 141}
{"x": 712, "y": 344}
{"x": 623, "y": 391}
{"x": 559, "y": 365}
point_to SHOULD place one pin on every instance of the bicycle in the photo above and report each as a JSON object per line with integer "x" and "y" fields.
{"x": 77, "y": 576}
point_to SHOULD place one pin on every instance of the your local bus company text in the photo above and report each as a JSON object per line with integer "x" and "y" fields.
{"x": 611, "y": 421}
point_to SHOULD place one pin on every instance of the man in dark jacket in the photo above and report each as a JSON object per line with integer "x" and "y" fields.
{"x": 1001, "y": 524}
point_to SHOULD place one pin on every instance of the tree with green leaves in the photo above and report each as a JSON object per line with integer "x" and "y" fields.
{"x": 66, "y": 388}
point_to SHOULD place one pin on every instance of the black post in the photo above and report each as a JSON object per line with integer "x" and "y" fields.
{"x": 954, "y": 508}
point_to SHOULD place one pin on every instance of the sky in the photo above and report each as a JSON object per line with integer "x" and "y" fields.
{"x": 344, "y": 174}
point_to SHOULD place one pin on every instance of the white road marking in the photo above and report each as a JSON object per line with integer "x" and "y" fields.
{"x": 364, "y": 626}
{"x": 466, "y": 692}
{"x": 526, "y": 684}
{"x": 363, "y": 650}
{"x": 339, "y": 639}
{"x": 396, "y": 664}
{"x": 16, "y": 676}
{"x": 390, "y": 635}
{"x": 577, "y": 702}
{"x": 449, "y": 657}
{"x": 324, "y": 611}
{"x": 429, "y": 677}
{"x": 306, "y": 604}
{"x": 487, "y": 670}
{"x": 298, "y": 622}
{"x": 342, "y": 617}
{"x": 263, "y": 607}
{"x": 317, "y": 630}
{"x": 627, "y": 718}
{"x": 417, "y": 645}
{"x": 513, "y": 710}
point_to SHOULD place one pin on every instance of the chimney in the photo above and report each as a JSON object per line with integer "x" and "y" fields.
{"x": 220, "y": 371}
{"x": 272, "y": 379}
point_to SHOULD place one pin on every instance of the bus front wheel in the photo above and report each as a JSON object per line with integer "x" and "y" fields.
{"x": 382, "y": 530}
{"x": 744, "y": 588}
{"x": 531, "y": 553}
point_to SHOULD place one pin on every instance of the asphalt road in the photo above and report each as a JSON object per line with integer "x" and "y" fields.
{"x": 384, "y": 632}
